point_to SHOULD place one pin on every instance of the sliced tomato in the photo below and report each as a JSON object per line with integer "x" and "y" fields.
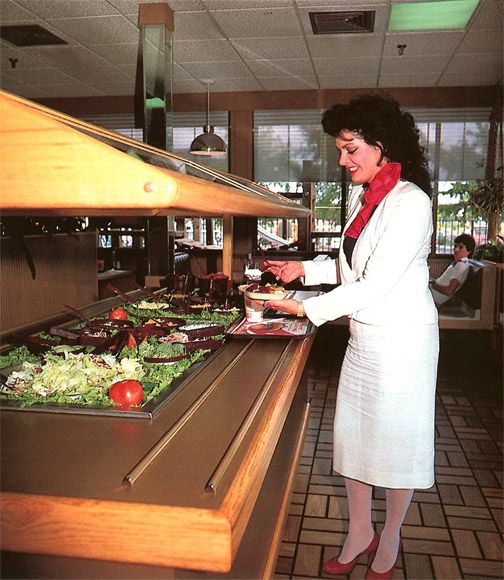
{"x": 126, "y": 393}
{"x": 118, "y": 314}
{"x": 131, "y": 341}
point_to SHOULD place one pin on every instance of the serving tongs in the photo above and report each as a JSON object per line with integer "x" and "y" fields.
{"x": 147, "y": 292}
{"x": 79, "y": 314}
{"x": 120, "y": 293}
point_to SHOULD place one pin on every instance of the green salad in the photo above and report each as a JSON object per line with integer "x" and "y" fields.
{"x": 69, "y": 378}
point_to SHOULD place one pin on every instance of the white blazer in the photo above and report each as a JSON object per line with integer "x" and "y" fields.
{"x": 387, "y": 282}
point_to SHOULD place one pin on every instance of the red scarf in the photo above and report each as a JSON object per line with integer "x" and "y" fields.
{"x": 385, "y": 180}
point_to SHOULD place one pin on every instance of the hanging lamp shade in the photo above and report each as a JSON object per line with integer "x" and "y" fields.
{"x": 208, "y": 143}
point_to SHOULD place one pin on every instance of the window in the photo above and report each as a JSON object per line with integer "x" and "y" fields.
{"x": 187, "y": 126}
{"x": 457, "y": 143}
{"x": 291, "y": 147}
{"x": 292, "y": 154}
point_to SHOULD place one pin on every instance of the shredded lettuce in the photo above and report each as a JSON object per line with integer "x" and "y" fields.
{"x": 70, "y": 378}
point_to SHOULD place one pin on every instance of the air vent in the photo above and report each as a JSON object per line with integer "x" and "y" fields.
{"x": 29, "y": 35}
{"x": 342, "y": 22}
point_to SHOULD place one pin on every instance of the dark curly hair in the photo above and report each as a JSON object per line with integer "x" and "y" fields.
{"x": 380, "y": 122}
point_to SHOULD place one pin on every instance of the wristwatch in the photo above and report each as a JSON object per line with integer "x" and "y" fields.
{"x": 300, "y": 310}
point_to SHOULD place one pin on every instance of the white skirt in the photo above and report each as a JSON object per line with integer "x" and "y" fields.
{"x": 384, "y": 421}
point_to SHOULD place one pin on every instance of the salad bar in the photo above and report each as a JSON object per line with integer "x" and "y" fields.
{"x": 129, "y": 360}
{"x": 182, "y": 490}
{"x": 138, "y": 438}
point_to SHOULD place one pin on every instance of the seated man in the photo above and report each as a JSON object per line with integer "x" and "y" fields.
{"x": 452, "y": 279}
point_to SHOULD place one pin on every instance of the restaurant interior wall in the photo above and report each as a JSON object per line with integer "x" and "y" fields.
{"x": 449, "y": 131}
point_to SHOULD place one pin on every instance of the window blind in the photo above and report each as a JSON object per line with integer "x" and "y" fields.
{"x": 292, "y": 146}
{"x": 462, "y": 138}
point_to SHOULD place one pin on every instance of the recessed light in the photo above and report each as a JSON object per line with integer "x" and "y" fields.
{"x": 29, "y": 35}
{"x": 437, "y": 15}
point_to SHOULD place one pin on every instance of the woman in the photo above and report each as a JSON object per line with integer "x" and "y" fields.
{"x": 384, "y": 420}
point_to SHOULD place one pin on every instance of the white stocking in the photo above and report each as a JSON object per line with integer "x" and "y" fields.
{"x": 360, "y": 529}
{"x": 398, "y": 501}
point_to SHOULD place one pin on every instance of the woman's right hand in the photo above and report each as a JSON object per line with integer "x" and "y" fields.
{"x": 285, "y": 271}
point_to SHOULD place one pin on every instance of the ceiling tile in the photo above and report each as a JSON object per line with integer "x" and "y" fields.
{"x": 25, "y": 59}
{"x": 341, "y": 4}
{"x": 419, "y": 44}
{"x": 226, "y": 40}
{"x": 238, "y": 4}
{"x": 481, "y": 41}
{"x": 188, "y": 86}
{"x": 245, "y": 23}
{"x": 116, "y": 53}
{"x": 228, "y": 86}
{"x": 347, "y": 66}
{"x": 342, "y": 46}
{"x": 349, "y": 81}
{"x": 203, "y": 50}
{"x": 281, "y": 67}
{"x": 261, "y": 48}
{"x": 413, "y": 64}
{"x": 71, "y": 60}
{"x": 195, "y": 26}
{"x": 99, "y": 30}
{"x": 73, "y": 90}
{"x": 12, "y": 13}
{"x": 408, "y": 80}
{"x": 217, "y": 70}
{"x": 489, "y": 16}
{"x": 180, "y": 73}
{"x": 182, "y": 5}
{"x": 469, "y": 63}
{"x": 65, "y": 9}
{"x": 45, "y": 76}
{"x": 474, "y": 78}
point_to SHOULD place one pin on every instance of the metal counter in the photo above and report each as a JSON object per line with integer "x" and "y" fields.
{"x": 177, "y": 491}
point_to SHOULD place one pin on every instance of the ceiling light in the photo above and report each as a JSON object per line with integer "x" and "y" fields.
{"x": 441, "y": 15}
{"x": 208, "y": 143}
{"x": 29, "y": 35}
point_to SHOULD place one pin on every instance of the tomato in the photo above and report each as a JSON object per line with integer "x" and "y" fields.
{"x": 118, "y": 314}
{"x": 126, "y": 393}
{"x": 131, "y": 341}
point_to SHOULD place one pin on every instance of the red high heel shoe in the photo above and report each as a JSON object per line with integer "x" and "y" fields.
{"x": 372, "y": 575}
{"x": 334, "y": 566}
{"x": 387, "y": 575}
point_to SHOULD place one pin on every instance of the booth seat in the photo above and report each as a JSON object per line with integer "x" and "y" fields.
{"x": 182, "y": 266}
{"x": 473, "y": 306}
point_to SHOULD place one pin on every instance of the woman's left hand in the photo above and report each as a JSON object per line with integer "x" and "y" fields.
{"x": 289, "y": 306}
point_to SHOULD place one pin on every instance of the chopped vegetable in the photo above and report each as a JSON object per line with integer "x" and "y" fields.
{"x": 16, "y": 356}
{"x": 118, "y": 314}
{"x": 126, "y": 393}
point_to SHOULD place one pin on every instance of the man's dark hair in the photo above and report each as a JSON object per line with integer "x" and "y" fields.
{"x": 468, "y": 242}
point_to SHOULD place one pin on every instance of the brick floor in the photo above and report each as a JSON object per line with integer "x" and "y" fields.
{"x": 453, "y": 530}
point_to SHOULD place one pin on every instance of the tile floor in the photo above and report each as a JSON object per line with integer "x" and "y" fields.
{"x": 453, "y": 530}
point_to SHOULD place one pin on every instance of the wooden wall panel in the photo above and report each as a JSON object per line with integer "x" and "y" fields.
{"x": 66, "y": 273}
{"x": 442, "y": 97}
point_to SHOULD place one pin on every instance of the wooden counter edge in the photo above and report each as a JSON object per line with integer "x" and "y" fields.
{"x": 240, "y": 500}
{"x": 114, "y": 530}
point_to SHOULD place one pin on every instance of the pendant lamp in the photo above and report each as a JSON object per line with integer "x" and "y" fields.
{"x": 208, "y": 143}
